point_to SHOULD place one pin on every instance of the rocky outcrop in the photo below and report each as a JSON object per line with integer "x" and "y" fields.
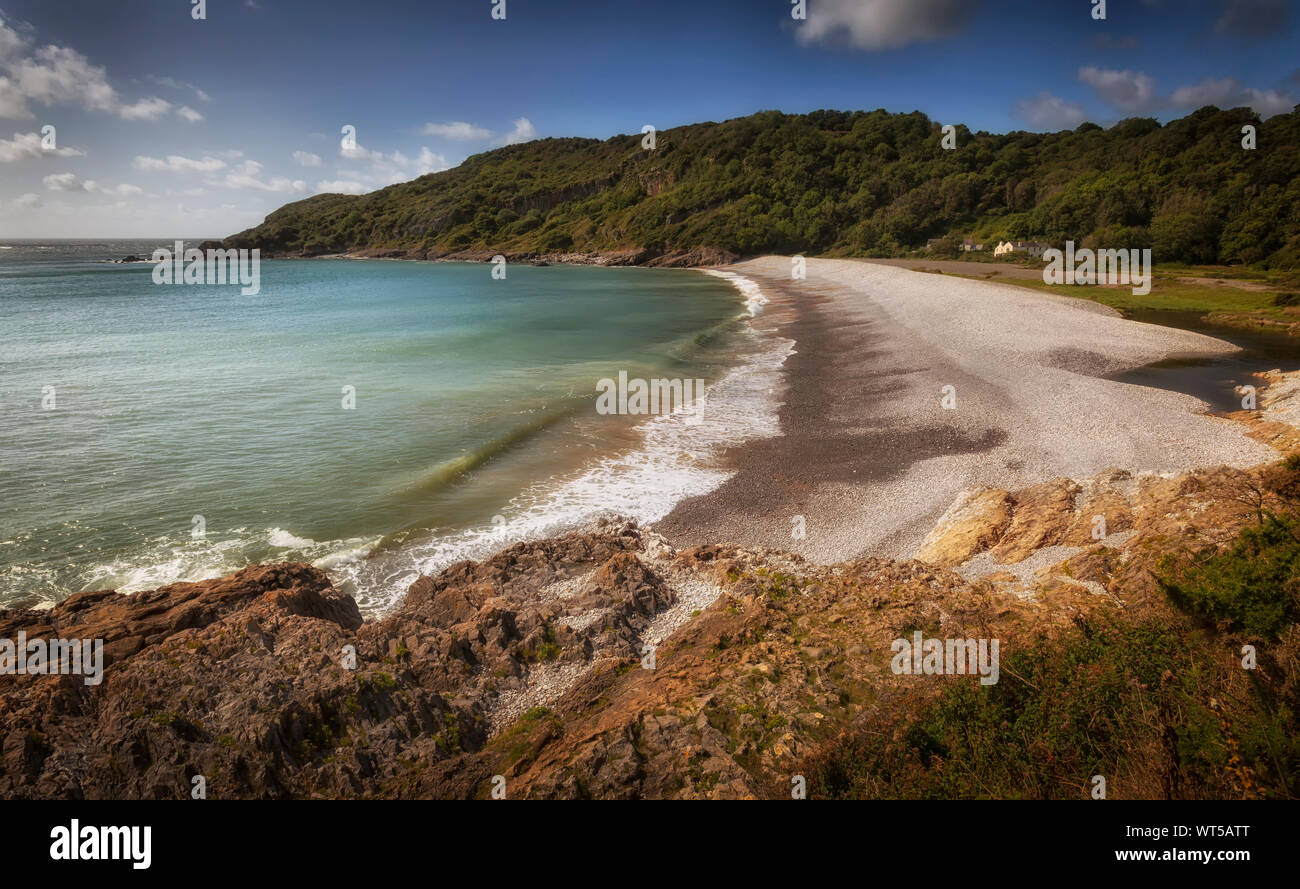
{"x": 598, "y": 664}
{"x": 197, "y": 676}
{"x": 1275, "y": 421}
{"x": 539, "y": 665}
{"x": 1011, "y": 526}
{"x": 267, "y": 683}
{"x": 700, "y": 256}
{"x": 976, "y": 520}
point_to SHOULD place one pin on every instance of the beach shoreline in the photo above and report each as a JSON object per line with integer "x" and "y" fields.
{"x": 869, "y": 459}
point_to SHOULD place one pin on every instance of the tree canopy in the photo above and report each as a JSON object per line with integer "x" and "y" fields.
{"x": 840, "y": 183}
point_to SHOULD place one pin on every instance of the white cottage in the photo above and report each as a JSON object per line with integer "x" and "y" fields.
{"x": 1032, "y": 248}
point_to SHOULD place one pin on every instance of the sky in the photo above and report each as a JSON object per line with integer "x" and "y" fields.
{"x": 170, "y": 124}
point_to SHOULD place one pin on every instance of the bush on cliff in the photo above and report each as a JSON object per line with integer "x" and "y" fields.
{"x": 1253, "y": 586}
{"x": 1151, "y": 705}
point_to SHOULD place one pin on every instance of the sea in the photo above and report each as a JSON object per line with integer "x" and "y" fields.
{"x": 378, "y": 419}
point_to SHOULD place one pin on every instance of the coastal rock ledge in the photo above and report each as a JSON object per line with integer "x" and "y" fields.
{"x": 606, "y": 664}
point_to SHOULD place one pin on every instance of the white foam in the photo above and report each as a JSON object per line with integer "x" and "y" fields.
{"x": 280, "y": 538}
{"x": 169, "y": 560}
{"x": 755, "y": 299}
{"x": 347, "y": 554}
{"x": 678, "y": 457}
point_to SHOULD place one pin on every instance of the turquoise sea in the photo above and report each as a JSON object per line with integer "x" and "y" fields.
{"x": 153, "y": 433}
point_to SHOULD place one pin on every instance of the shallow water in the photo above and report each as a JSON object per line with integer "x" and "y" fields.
{"x": 1214, "y": 379}
{"x": 177, "y": 407}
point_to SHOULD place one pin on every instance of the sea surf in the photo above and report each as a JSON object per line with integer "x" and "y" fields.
{"x": 377, "y": 419}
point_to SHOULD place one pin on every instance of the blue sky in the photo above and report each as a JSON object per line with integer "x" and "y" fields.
{"x": 167, "y": 126}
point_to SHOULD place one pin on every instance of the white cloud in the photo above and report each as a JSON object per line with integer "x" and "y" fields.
{"x": 1130, "y": 91}
{"x": 11, "y": 44}
{"x": 1048, "y": 112}
{"x": 358, "y": 152}
{"x": 71, "y": 182}
{"x": 341, "y": 186}
{"x": 12, "y": 102}
{"x": 58, "y": 74}
{"x": 523, "y": 132}
{"x": 458, "y": 130}
{"x": 145, "y": 109}
{"x": 1207, "y": 92}
{"x": 1134, "y": 92}
{"x": 175, "y": 163}
{"x": 377, "y": 169}
{"x": 306, "y": 159}
{"x": 64, "y": 182}
{"x": 428, "y": 162}
{"x": 246, "y": 176}
{"x": 189, "y": 114}
{"x": 1266, "y": 102}
{"x": 876, "y": 25}
{"x": 172, "y": 83}
{"x": 26, "y": 201}
{"x": 54, "y": 75}
{"x": 1228, "y": 93}
{"x": 25, "y": 145}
